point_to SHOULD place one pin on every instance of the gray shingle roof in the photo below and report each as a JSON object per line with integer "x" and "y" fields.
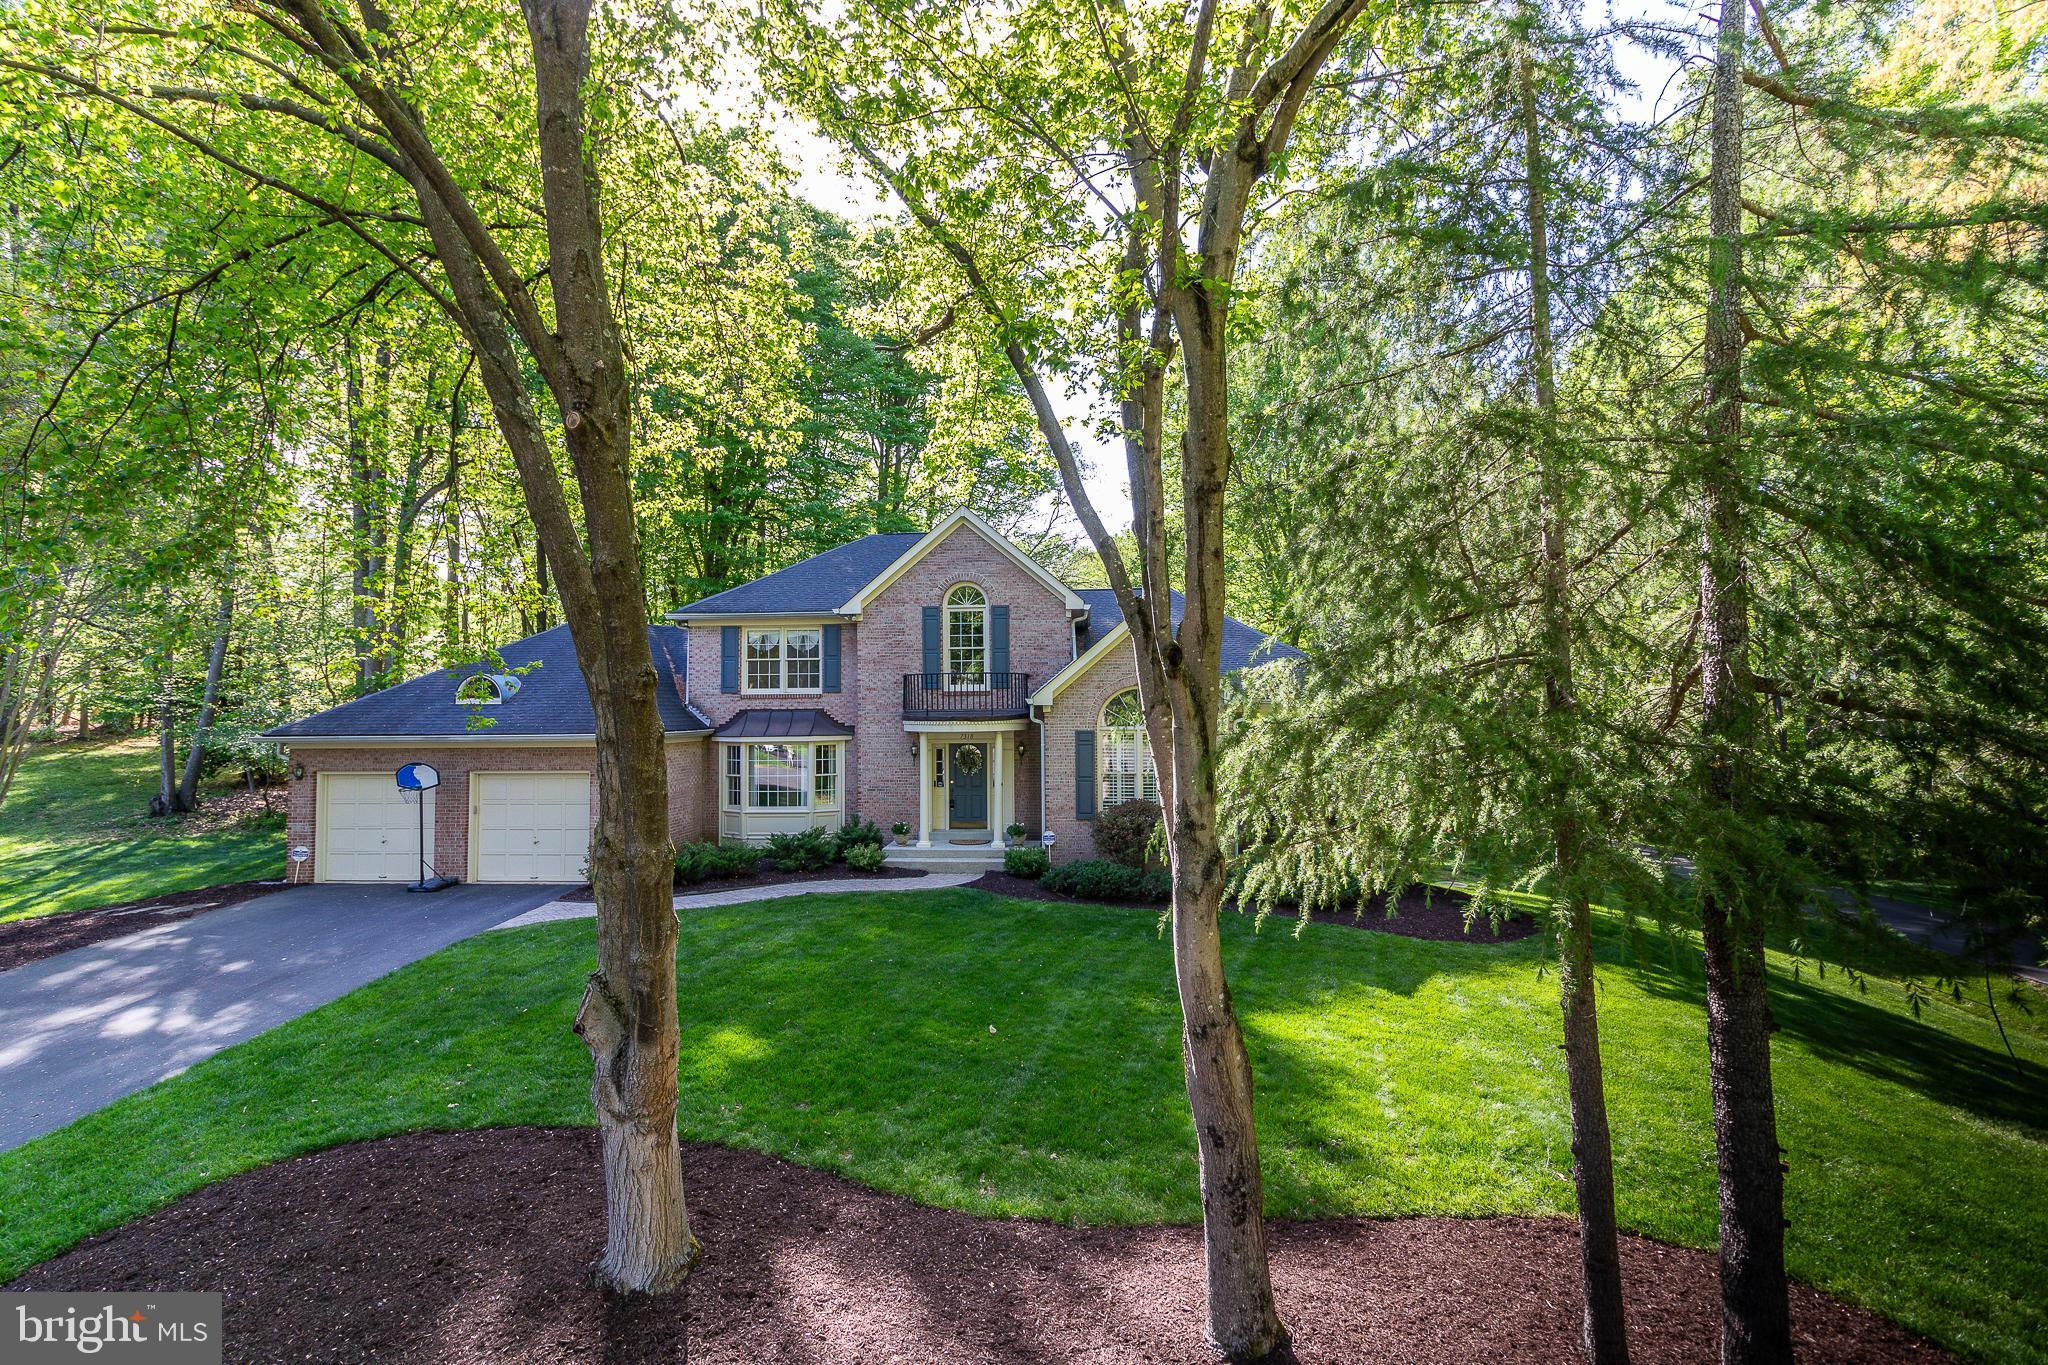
{"x": 819, "y": 583}
{"x": 1243, "y": 645}
{"x": 551, "y": 700}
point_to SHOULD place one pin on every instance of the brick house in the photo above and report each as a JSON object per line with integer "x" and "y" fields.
{"x": 944, "y": 680}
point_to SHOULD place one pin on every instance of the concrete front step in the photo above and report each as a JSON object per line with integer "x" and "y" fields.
{"x": 945, "y": 858}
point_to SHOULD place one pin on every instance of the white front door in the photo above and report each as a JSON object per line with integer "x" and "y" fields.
{"x": 369, "y": 832}
{"x": 530, "y": 827}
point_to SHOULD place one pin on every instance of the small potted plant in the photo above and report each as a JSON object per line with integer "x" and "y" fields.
{"x": 1013, "y": 832}
{"x": 901, "y": 829}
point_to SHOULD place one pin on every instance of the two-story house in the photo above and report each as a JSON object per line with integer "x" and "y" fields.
{"x": 945, "y": 681}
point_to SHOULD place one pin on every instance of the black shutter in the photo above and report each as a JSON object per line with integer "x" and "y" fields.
{"x": 932, "y": 663}
{"x": 831, "y": 658}
{"x": 728, "y": 658}
{"x": 1084, "y": 774}
{"x": 999, "y": 644}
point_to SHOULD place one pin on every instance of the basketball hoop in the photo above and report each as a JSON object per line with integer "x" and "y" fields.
{"x": 415, "y": 779}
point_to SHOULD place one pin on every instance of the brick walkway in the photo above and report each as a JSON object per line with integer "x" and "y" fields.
{"x": 937, "y": 881}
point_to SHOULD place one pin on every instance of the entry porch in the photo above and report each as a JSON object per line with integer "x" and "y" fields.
{"x": 967, "y": 780}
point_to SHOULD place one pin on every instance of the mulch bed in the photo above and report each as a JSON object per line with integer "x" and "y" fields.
{"x": 1436, "y": 915}
{"x": 769, "y": 876}
{"x": 24, "y": 941}
{"x": 462, "y": 1248}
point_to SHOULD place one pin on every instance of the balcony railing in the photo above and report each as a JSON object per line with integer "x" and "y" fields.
{"x": 958, "y": 696}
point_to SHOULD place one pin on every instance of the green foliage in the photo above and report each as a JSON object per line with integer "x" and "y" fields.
{"x": 697, "y": 862}
{"x": 855, "y": 833}
{"x": 800, "y": 851}
{"x": 865, "y": 857}
{"x": 893, "y": 1079}
{"x": 1026, "y": 862}
{"x": 1125, "y": 833}
{"x": 74, "y": 834}
{"x": 1098, "y": 879}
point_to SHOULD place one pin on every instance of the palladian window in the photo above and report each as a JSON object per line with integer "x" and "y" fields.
{"x": 1126, "y": 754}
{"x": 966, "y": 637}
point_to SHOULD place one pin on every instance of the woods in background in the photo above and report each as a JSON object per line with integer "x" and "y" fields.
{"x": 255, "y": 480}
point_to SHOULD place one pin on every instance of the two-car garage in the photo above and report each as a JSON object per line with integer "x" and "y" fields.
{"x": 520, "y": 826}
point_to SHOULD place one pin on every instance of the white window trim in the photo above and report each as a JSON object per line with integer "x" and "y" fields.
{"x": 781, "y": 634}
{"x": 807, "y": 786}
{"x": 946, "y": 610}
{"x": 1115, "y": 741}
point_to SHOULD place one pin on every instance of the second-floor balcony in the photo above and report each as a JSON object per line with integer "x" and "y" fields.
{"x": 960, "y": 696}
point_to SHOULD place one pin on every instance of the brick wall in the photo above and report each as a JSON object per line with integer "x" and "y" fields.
{"x": 704, "y": 652}
{"x": 1080, "y": 708}
{"x": 691, "y": 810}
{"x": 892, "y": 643}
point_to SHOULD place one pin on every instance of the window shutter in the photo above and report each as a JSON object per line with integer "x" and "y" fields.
{"x": 831, "y": 658}
{"x": 999, "y": 640}
{"x": 728, "y": 658}
{"x": 1084, "y": 774}
{"x": 933, "y": 663}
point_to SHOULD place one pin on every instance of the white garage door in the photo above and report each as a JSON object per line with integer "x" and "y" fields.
{"x": 369, "y": 831}
{"x": 530, "y": 827}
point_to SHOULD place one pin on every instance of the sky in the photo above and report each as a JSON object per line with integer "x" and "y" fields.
{"x": 823, "y": 177}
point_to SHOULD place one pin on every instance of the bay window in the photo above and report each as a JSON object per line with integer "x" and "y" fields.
{"x": 782, "y": 776}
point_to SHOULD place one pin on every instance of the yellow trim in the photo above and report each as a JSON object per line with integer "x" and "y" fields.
{"x": 1059, "y": 682}
{"x": 934, "y": 538}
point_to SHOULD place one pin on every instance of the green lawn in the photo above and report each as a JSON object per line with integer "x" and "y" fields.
{"x": 1022, "y": 1058}
{"x": 74, "y": 833}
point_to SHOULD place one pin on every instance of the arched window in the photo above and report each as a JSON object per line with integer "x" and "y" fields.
{"x": 1125, "y": 754}
{"x": 486, "y": 689}
{"x": 966, "y": 636}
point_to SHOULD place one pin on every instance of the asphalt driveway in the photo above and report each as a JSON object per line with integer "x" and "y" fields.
{"x": 86, "y": 1027}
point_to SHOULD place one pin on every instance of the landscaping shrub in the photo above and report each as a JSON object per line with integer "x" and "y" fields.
{"x": 1026, "y": 862}
{"x": 1123, "y": 832}
{"x": 1098, "y": 879}
{"x": 804, "y": 851}
{"x": 701, "y": 861}
{"x": 864, "y": 857}
{"x": 855, "y": 833}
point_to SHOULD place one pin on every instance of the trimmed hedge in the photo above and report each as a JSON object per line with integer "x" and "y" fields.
{"x": 1123, "y": 833}
{"x": 1032, "y": 863}
{"x": 803, "y": 851}
{"x": 1098, "y": 879}
{"x": 855, "y": 833}
{"x": 702, "y": 861}
{"x": 864, "y": 857}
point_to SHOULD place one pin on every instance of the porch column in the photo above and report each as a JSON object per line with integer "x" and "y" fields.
{"x": 996, "y": 821}
{"x": 924, "y": 791}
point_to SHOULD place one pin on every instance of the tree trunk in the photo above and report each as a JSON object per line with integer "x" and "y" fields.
{"x": 166, "y": 799}
{"x": 364, "y": 513}
{"x": 540, "y": 583}
{"x": 202, "y": 727}
{"x": 454, "y": 623}
{"x": 1603, "y": 1333}
{"x": 1244, "y": 1320}
{"x": 1755, "y": 1327}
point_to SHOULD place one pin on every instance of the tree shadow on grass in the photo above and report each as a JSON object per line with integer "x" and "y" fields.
{"x": 1880, "y": 1043}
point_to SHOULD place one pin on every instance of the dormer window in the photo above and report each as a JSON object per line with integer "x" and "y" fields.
{"x": 966, "y": 636}
{"x": 486, "y": 689}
